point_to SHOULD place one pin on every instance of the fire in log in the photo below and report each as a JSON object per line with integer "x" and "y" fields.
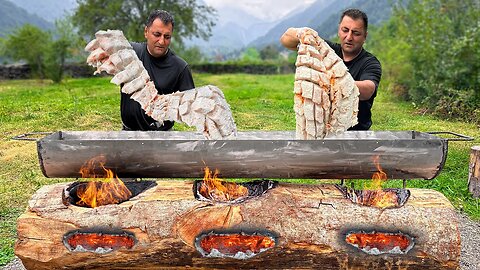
{"x": 375, "y": 196}
{"x": 214, "y": 189}
{"x": 380, "y": 198}
{"x": 97, "y": 193}
{"x": 292, "y": 226}
{"x": 103, "y": 195}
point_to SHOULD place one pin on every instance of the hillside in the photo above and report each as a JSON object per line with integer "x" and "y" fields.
{"x": 378, "y": 11}
{"x": 298, "y": 19}
{"x": 49, "y": 10}
{"x": 323, "y": 16}
{"x": 12, "y": 16}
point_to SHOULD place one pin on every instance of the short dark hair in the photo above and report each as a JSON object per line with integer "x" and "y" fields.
{"x": 356, "y": 14}
{"x": 164, "y": 16}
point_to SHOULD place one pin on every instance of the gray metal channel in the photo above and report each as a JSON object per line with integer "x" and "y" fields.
{"x": 256, "y": 154}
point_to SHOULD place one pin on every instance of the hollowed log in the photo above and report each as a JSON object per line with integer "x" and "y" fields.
{"x": 309, "y": 224}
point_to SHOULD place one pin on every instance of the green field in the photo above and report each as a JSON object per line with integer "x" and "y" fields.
{"x": 258, "y": 102}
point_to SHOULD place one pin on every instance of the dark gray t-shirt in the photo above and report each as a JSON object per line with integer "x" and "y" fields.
{"x": 170, "y": 73}
{"x": 364, "y": 67}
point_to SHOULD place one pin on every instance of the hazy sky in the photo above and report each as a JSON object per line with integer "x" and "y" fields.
{"x": 265, "y": 9}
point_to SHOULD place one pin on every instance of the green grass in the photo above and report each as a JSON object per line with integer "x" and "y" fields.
{"x": 259, "y": 102}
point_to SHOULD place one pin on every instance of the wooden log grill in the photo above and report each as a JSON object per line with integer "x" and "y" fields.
{"x": 282, "y": 226}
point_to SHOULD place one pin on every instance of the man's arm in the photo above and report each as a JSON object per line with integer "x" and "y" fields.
{"x": 185, "y": 80}
{"x": 369, "y": 79}
{"x": 366, "y": 88}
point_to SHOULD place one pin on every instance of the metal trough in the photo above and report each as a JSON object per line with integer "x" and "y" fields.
{"x": 255, "y": 154}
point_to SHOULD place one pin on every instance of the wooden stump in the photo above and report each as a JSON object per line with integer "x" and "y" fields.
{"x": 309, "y": 224}
{"x": 474, "y": 172}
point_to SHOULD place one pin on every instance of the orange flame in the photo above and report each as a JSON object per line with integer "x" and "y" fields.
{"x": 376, "y": 195}
{"x": 92, "y": 241}
{"x": 379, "y": 177}
{"x": 379, "y": 198}
{"x": 218, "y": 190}
{"x": 384, "y": 242}
{"x": 233, "y": 243}
{"x": 97, "y": 193}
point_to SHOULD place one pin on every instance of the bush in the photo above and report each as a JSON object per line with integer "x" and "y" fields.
{"x": 429, "y": 51}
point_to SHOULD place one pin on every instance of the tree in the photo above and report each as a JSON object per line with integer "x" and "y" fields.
{"x": 269, "y": 52}
{"x": 432, "y": 47}
{"x": 250, "y": 55}
{"x": 28, "y": 43}
{"x": 191, "y": 19}
{"x": 65, "y": 45}
{"x": 45, "y": 52}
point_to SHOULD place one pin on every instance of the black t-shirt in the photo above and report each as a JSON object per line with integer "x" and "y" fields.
{"x": 170, "y": 73}
{"x": 364, "y": 67}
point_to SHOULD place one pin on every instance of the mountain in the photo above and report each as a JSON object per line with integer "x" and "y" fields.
{"x": 234, "y": 29}
{"x": 49, "y": 10}
{"x": 12, "y": 16}
{"x": 323, "y": 16}
{"x": 297, "y": 19}
{"x": 378, "y": 11}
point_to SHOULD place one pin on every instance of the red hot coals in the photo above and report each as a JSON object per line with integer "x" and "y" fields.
{"x": 376, "y": 243}
{"x": 238, "y": 245}
{"x": 98, "y": 241}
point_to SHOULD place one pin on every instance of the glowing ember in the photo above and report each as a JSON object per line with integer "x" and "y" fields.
{"x": 235, "y": 245}
{"x": 98, "y": 242}
{"x": 376, "y": 243}
{"x": 97, "y": 193}
{"x": 214, "y": 189}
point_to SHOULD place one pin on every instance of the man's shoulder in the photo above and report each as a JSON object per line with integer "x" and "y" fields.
{"x": 368, "y": 56}
{"x": 335, "y": 46}
{"x": 177, "y": 60}
{"x": 139, "y": 47}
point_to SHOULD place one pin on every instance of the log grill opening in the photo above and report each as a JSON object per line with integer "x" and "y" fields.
{"x": 235, "y": 244}
{"x": 376, "y": 243}
{"x": 98, "y": 240}
{"x": 221, "y": 192}
{"x": 381, "y": 198}
{"x": 73, "y": 194}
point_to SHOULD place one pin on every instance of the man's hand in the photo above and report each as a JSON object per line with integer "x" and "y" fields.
{"x": 290, "y": 39}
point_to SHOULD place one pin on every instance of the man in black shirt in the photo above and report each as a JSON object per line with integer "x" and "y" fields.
{"x": 362, "y": 65}
{"x": 169, "y": 72}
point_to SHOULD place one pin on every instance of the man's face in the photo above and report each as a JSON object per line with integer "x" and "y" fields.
{"x": 158, "y": 37}
{"x": 352, "y": 35}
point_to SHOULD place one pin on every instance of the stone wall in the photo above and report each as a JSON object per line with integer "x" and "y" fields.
{"x": 23, "y": 71}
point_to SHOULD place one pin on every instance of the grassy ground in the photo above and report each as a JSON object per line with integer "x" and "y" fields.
{"x": 259, "y": 102}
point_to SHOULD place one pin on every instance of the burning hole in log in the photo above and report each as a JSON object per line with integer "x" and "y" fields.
{"x": 380, "y": 198}
{"x": 376, "y": 243}
{"x": 214, "y": 189}
{"x": 238, "y": 245}
{"x": 109, "y": 189}
{"x": 95, "y": 193}
{"x": 98, "y": 241}
{"x": 375, "y": 196}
